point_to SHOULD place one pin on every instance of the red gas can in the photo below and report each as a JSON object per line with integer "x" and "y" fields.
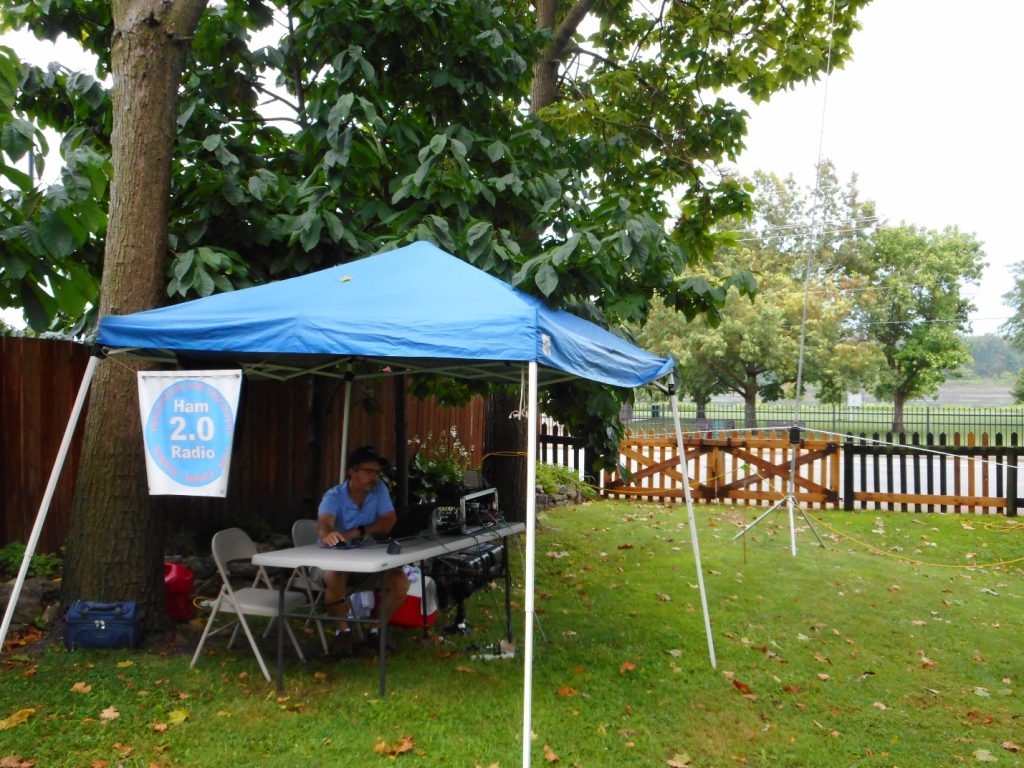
{"x": 178, "y": 591}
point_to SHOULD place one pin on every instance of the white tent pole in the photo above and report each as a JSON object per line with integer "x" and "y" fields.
{"x": 689, "y": 513}
{"x": 344, "y": 425}
{"x": 531, "y": 535}
{"x": 51, "y": 487}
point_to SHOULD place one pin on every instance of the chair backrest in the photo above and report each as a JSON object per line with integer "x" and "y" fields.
{"x": 231, "y": 544}
{"x": 304, "y": 531}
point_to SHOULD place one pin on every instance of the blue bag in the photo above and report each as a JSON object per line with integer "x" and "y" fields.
{"x": 101, "y": 625}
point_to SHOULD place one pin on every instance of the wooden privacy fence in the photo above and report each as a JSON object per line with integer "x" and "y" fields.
{"x": 287, "y": 446}
{"x": 966, "y": 473}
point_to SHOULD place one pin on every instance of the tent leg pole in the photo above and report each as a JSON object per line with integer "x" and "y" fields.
{"x": 51, "y": 487}
{"x": 531, "y": 534}
{"x": 693, "y": 524}
{"x": 344, "y": 426}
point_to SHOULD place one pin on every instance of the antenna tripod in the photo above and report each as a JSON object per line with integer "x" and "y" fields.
{"x": 789, "y": 500}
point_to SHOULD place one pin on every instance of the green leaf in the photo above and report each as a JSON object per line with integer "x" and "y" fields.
{"x": 21, "y": 180}
{"x": 56, "y": 237}
{"x": 564, "y": 251}
{"x": 421, "y": 172}
{"x": 16, "y": 138}
{"x": 212, "y": 141}
{"x": 546, "y": 279}
{"x": 437, "y": 143}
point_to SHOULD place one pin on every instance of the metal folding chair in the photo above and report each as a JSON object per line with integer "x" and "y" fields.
{"x": 260, "y": 599}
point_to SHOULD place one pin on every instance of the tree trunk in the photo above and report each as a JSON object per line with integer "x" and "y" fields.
{"x": 750, "y": 391}
{"x": 750, "y": 409}
{"x": 544, "y": 90}
{"x": 899, "y": 403}
{"x": 115, "y": 539}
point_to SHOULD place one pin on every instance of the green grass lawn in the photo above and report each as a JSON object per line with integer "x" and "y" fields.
{"x": 900, "y": 646}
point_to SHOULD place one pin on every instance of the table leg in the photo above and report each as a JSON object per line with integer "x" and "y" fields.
{"x": 382, "y": 635}
{"x": 280, "y": 638}
{"x": 508, "y": 590}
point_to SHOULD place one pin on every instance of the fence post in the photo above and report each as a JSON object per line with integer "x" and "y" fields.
{"x": 1011, "y": 483}
{"x": 848, "y": 474}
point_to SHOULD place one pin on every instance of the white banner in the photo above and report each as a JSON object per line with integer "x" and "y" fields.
{"x": 188, "y": 423}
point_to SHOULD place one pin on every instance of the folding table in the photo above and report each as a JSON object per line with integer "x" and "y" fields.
{"x": 374, "y": 558}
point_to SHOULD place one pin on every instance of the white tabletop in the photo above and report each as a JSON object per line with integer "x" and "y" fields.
{"x": 373, "y": 558}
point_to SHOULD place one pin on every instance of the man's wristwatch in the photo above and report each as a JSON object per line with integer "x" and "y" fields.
{"x": 362, "y": 530}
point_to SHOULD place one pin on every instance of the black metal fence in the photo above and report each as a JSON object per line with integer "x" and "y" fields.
{"x": 846, "y": 420}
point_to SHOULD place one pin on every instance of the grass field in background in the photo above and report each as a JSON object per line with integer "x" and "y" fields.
{"x": 898, "y": 645}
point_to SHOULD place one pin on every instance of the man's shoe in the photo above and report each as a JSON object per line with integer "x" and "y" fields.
{"x": 341, "y": 645}
{"x": 372, "y": 642}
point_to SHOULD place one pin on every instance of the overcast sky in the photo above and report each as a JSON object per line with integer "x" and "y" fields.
{"x": 928, "y": 114}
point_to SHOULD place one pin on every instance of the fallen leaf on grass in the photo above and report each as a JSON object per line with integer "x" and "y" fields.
{"x": 822, "y": 676}
{"x": 821, "y": 659}
{"x": 15, "y": 761}
{"x": 665, "y": 598}
{"x": 461, "y": 668}
{"x": 17, "y": 718}
{"x": 125, "y": 664}
{"x": 160, "y": 727}
{"x": 177, "y": 716}
{"x": 926, "y": 663}
{"x": 549, "y": 754}
{"x": 23, "y": 638}
{"x": 566, "y": 691}
{"x": 621, "y": 546}
{"x": 124, "y": 751}
{"x": 741, "y": 687}
{"x": 879, "y": 706}
{"x": 679, "y": 760}
{"x": 984, "y": 756}
{"x": 80, "y": 688}
{"x": 1010, "y": 746}
{"x": 109, "y": 714}
{"x": 404, "y": 744}
{"x": 626, "y": 666}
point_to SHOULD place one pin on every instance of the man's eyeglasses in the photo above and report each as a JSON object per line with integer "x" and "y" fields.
{"x": 369, "y": 471}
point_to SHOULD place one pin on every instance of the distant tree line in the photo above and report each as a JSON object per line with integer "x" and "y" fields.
{"x": 993, "y": 357}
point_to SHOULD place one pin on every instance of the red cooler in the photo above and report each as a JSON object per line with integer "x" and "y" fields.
{"x": 410, "y": 612}
{"x": 178, "y": 591}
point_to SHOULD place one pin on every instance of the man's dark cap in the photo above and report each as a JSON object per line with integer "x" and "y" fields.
{"x": 363, "y": 454}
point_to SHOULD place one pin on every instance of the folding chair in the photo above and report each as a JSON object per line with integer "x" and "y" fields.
{"x": 308, "y": 579}
{"x": 260, "y": 599}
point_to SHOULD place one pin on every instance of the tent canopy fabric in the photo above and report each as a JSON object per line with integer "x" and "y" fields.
{"x": 412, "y": 309}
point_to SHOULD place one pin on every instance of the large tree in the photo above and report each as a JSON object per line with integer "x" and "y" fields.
{"x": 392, "y": 126}
{"x": 915, "y": 310}
{"x": 800, "y": 246}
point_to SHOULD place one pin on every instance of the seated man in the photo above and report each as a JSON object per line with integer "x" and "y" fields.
{"x": 359, "y": 507}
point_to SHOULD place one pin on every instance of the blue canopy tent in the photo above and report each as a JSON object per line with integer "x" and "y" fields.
{"x": 416, "y": 309}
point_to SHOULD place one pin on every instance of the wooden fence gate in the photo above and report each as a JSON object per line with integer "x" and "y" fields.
{"x": 749, "y": 468}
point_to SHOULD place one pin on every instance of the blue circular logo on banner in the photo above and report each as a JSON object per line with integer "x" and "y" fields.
{"x": 188, "y": 432}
